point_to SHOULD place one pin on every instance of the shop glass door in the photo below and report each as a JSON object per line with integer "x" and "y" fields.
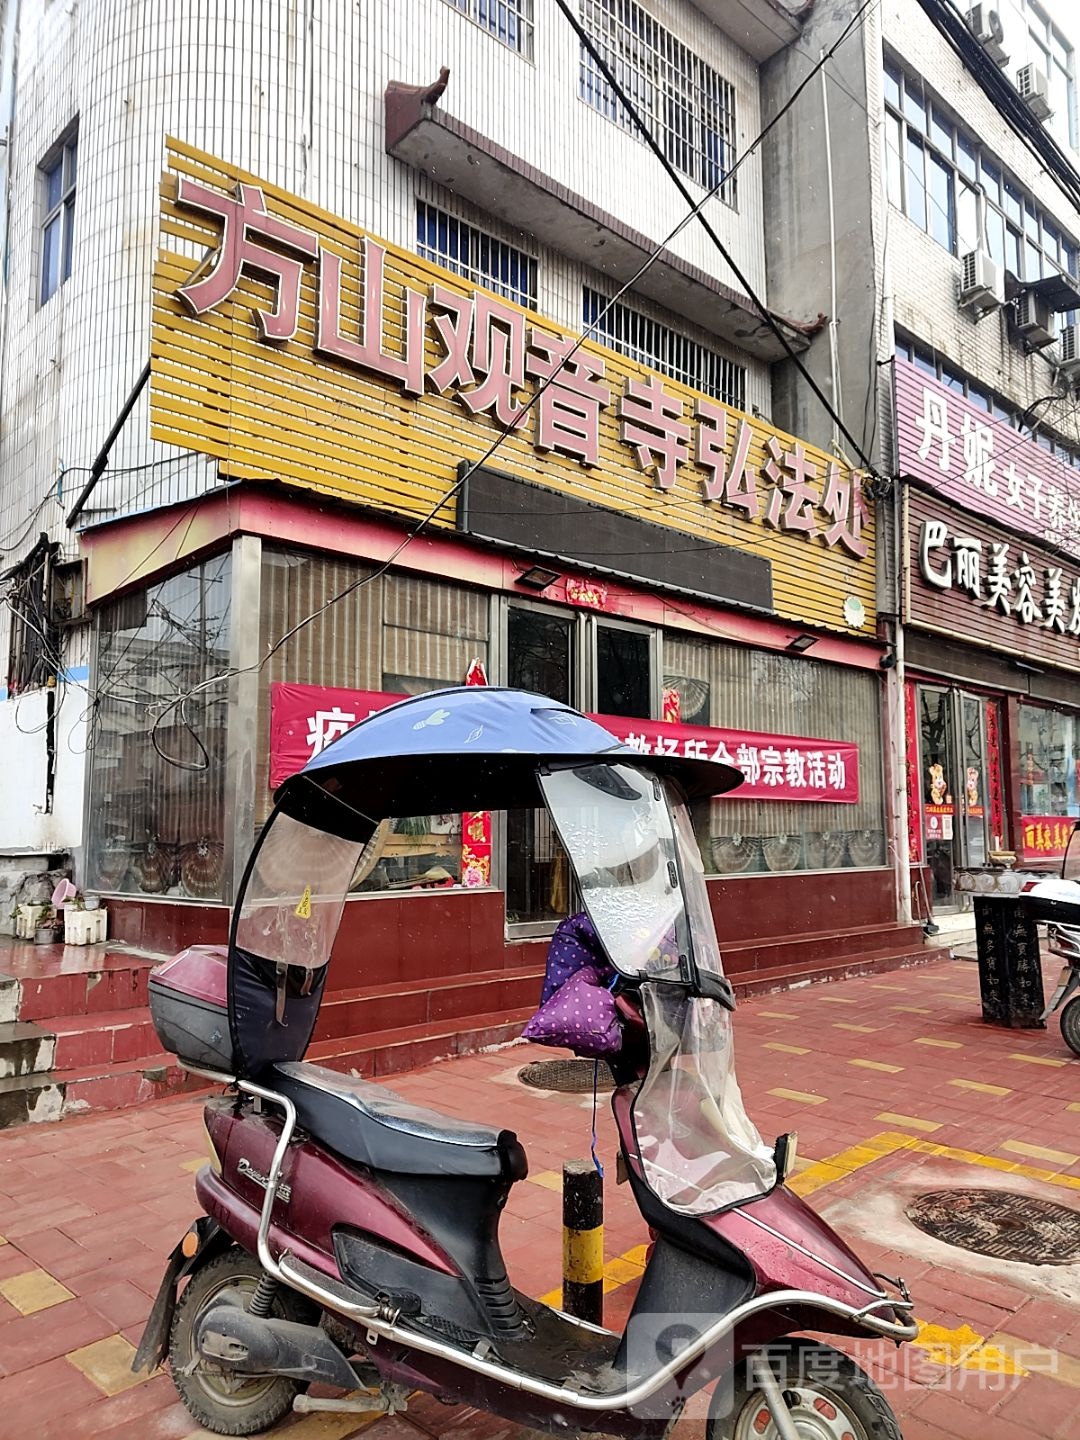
{"x": 956, "y": 783}
{"x": 937, "y": 758}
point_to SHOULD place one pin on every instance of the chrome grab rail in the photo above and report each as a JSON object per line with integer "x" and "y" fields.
{"x": 381, "y": 1324}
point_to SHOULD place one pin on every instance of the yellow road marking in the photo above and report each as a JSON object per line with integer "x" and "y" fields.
{"x": 941, "y": 1044}
{"x": 1038, "y": 1359}
{"x": 1038, "y": 1060}
{"x": 877, "y": 1065}
{"x": 192, "y": 1165}
{"x": 549, "y": 1179}
{"x": 859, "y": 1029}
{"x": 980, "y": 1087}
{"x": 778, "y": 1014}
{"x": 912, "y": 1009}
{"x": 786, "y": 1049}
{"x": 107, "y": 1364}
{"x": 837, "y": 1000}
{"x": 963, "y": 1348}
{"x": 1039, "y": 1152}
{"x": 800, "y": 1096}
{"x": 891, "y": 1117}
{"x": 34, "y": 1290}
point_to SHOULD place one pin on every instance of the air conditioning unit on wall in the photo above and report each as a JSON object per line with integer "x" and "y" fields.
{"x": 1034, "y": 320}
{"x": 985, "y": 25}
{"x": 1034, "y": 89}
{"x": 1068, "y": 361}
{"x": 982, "y": 283}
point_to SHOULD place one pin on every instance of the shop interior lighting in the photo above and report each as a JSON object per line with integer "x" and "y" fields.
{"x": 538, "y": 577}
{"x": 801, "y": 643}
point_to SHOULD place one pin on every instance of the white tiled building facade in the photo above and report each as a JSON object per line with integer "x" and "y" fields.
{"x": 293, "y": 91}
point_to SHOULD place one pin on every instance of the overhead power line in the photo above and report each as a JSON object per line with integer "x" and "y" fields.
{"x": 589, "y": 44}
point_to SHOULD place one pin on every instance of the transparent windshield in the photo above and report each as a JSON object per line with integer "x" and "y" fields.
{"x": 1070, "y": 865}
{"x": 615, "y": 825}
{"x": 700, "y": 1151}
{"x": 292, "y": 903}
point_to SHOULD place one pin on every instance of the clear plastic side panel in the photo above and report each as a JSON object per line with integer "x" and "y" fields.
{"x": 614, "y": 823}
{"x": 1070, "y": 865}
{"x": 291, "y": 906}
{"x": 695, "y": 892}
{"x": 700, "y": 1151}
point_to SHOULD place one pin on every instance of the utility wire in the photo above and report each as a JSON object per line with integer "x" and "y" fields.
{"x": 693, "y": 212}
{"x": 654, "y": 145}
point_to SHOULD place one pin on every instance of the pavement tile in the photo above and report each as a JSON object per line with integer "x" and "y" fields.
{"x": 107, "y": 1364}
{"x": 32, "y": 1291}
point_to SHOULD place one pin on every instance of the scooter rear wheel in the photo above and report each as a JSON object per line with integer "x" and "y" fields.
{"x": 1070, "y": 1025}
{"x": 229, "y": 1405}
{"x": 828, "y": 1396}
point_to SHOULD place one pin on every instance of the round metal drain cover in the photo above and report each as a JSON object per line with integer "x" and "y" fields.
{"x": 570, "y": 1077}
{"x": 1001, "y": 1224}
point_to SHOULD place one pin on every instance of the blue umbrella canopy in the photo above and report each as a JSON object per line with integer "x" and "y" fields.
{"x": 470, "y": 748}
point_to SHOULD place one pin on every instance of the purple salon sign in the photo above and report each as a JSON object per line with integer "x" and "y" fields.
{"x": 954, "y": 447}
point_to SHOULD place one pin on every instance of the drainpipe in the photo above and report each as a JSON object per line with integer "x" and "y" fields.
{"x": 834, "y": 359}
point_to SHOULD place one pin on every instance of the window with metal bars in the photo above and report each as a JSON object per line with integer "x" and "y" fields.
{"x": 58, "y": 174}
{"x": 688, "y": 106}
{"x": 476, "y": 256}
{"x": 33, "y": 641}
{"x": 642, "y": 338}
{"x": 510, "y": 21}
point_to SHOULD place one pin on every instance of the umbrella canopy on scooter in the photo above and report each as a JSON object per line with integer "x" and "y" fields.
{"x": 470, "y": 748}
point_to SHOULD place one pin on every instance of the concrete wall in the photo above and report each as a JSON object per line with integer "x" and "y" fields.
{"x": 292, "y": 90}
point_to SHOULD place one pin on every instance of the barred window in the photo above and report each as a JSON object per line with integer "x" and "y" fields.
{"x": 644, "y": 339}
{"x": 33, "y": 642}
{"x": 476, "y": 256}
{"x": 510, "y": 21}
{"x": 688, "y": 106}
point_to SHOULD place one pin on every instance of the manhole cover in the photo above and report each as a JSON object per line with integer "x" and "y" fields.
{"x": 1001, "y": 1224}
{"x": 571, "y": 1077}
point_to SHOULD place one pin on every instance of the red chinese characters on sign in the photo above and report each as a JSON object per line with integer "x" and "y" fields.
{"x": 476, "y": 824}
{"x": 1044, "y": 837}
{"x": 304, "y": 719}
{"x": 958, "y": 449}
{"x": 489, "y": 357}
{"x": 774, "y": 767}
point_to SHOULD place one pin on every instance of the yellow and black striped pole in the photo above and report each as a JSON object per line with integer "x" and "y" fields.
{"x": 583, "y": 1241}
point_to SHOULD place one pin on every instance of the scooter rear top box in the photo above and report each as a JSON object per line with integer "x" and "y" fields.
{"x": 189, "y": 1007}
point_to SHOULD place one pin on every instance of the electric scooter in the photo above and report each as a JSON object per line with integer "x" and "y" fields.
{"x": 351, "y": 1238}
{"x": 1057, "y": 901}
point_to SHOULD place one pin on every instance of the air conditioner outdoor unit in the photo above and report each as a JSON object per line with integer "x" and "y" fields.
{"x": 1034, "y": 89}
{"x": 982, "y": 283}
{"x": 985, "y": 25}
{"x": 1034, "y": 320}
{"x": 1068, "y": 363}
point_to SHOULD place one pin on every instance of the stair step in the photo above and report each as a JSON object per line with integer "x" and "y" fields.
{"x": 795, "y": 977}
{"x": 108, "y": 1037}
{"x": 747, "y": 956}
{"x": 363, "y": 1012}
{"x": 115, "y": 1087}
{"x": 25, "y": 1049}
{"x": 119, "y": 984}
{"x": 26, "y": 1099}
{"x": 408, "y": 1047}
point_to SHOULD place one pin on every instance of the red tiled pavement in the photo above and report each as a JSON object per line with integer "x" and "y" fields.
{"x": 97, "y": 1202}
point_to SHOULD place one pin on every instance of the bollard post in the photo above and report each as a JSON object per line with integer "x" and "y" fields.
{"x": 583, "y": 1241}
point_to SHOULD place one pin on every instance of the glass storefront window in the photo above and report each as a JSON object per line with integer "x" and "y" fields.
{"x": 401, "y": 634}
{"x": 156, "y": 812}
{"x": 1049, "y": 746}
{"x": 720, "y": 684}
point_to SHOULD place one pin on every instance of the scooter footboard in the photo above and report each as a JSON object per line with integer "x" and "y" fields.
{"x": 680, "y": 1297}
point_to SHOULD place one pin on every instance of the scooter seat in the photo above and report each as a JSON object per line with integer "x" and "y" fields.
{"x": 382, "y": 1130}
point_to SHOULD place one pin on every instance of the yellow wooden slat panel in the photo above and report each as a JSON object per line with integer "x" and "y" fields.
{"x": 280, "y": 412}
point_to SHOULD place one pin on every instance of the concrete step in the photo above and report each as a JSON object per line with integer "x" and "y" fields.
{"x": 795, "y": 977}
{"x": 744, "y": 957}
{"x": 105, "y": 1038}
{"x": 25, "y": 1049}
{"x": 408, "y": 1047}
{"x": 419, "y": 1002}
{"x": 85, "y": 980}
{"x": 25, "y": 1099}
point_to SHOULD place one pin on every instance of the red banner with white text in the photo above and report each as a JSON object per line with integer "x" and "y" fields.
{"x": 305, "y": 718}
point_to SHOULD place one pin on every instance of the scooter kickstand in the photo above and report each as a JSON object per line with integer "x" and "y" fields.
{"x": 384, "y": 1402}
{"x": 767, "y": 1383}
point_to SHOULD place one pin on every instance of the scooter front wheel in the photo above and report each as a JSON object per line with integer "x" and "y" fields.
{"x": 828, "y": 1398}
{"x": 1070, "y": 1025}
{"x": 228, "y": 1404}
